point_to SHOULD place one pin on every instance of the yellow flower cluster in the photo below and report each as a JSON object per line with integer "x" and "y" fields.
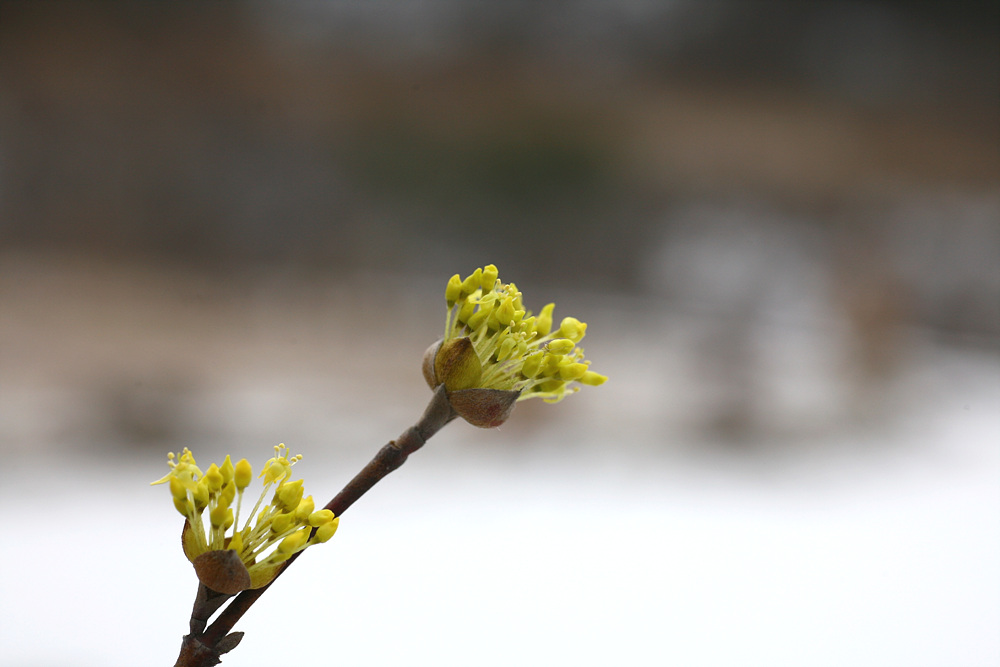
{"x": 286, "y": 525}
{"x": 515, "y": 350}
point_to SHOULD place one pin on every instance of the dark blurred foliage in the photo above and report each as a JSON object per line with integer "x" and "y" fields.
{"x": 545, "y": 137}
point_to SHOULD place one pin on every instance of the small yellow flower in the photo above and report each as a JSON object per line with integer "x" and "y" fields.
{"x": 272, "y": 532}
{"x": 492, "y": 342}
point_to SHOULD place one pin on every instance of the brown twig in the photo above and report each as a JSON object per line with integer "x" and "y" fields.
{"x": 203, "y": 649}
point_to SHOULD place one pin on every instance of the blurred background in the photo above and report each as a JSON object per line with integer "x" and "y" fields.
{"x": 228, "y": 225}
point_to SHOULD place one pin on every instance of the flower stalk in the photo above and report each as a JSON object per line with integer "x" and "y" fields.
{"x": 494, "y": 353}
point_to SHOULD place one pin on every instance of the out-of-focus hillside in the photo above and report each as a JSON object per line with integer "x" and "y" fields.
{"x": 168, "y": 170}
{"x": 355, "y": 137}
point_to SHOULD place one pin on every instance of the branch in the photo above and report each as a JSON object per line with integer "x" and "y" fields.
{"x": 204, "y": 649}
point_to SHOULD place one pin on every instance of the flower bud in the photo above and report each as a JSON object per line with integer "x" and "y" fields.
{"x": 294, "y": 542}
{"x": 282, "y": 523}
{"x": 533, "y": 364}
{"x": 593, "y": 379}
{"x": 505, "y": 313}
{"x": 221, "y": 516}
{"x": 228, "y": 494}
{"x": 471, "y": 284}
{"x": 573, "y": 329}
{"x": 305, "y": 508}
{"x": 560, "y": 346}
{"x": 320, "y": 517}
{"x": 476, "y": 319}
{"x": 288, "y": 495}
{"x": 214, "y": 478}
{"x": 227, "y": 470}
{"x": 201, "y": 495}
{"x": 490, "y": 274}
{"x": 326, "y": 529}
{"x": 453, "y": 292}
{"x": 543, "y": 324}
{"x": 572, "y": 371}
{"x": 236, "y": 542}
{"x": 177, "y": 489}
{"x": 243, "y": 474}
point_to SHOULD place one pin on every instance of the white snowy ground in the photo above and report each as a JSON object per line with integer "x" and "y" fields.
{"x": 589, "y": 533}
{"x": 875, "y": 553}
